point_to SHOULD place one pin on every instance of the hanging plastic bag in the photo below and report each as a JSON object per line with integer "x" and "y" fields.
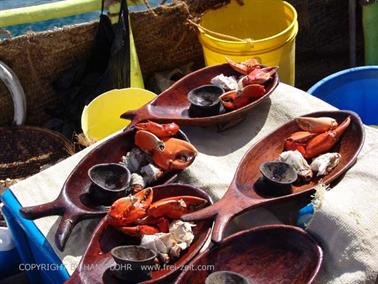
{"x": 107, "y": 67}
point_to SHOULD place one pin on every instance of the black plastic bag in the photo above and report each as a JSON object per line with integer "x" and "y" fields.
{"x": 107, "y": 67}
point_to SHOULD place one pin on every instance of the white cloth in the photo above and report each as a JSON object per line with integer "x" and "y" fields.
{"x": 346, "y": 224}
{"x": 213, "y": 169}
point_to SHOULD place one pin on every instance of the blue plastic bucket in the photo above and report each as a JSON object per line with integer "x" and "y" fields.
{"x": 353, "y": 89}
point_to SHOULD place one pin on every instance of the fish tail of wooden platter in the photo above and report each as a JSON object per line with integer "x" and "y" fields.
{"x": 136, "y": 116}
{"x": 232, "y": 204}
{"x": 70, "y": 217}
{"x": 42, "y": 210}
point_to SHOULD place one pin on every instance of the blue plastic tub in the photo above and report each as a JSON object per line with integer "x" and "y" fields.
{"x": 353, "y": 89}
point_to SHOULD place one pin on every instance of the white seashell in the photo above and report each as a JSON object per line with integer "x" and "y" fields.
{"x": 137, "y": 180}
{"x": 182, "y": 231}
{"x": 325, "y": 163}
{"x": 155, "y": 243}
{"x": 183, "y": 246}
{"x": 150, "y": 173}
{"x": 168, "y": 240}
{"x": 135, "y": 159}
{"x": 296, "y": 160}
{"x": 170, "y": 244}
{"x": 225, "y": 82}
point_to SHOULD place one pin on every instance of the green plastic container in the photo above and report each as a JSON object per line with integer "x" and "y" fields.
{"x": 370, "y": 26}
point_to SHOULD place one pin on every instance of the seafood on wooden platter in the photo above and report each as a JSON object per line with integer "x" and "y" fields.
{"x": 226, "y": 93}
{"x": 265, "y": 254}
{"x": 148, "y": 154}
{"x": 149, "y": 218}
{"x": 332, "y": 149}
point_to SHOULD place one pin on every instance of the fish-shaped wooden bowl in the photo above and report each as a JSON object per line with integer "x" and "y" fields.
{"x": 73, "y": 203}
{"x": 173, "y": 104}
{"x": 105, "y": 238}
{"x": 245, "y": 192}
{"x": 265, "y": 254}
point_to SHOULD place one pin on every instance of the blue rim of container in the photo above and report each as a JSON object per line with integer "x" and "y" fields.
{"x": 339, "y": 74}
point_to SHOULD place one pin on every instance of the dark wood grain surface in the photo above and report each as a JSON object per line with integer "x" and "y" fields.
{"x": 73, "y": 203}
{"x": 173, "y": 105}
{"x": 266, "y": 254}
{"x": 95, "y": 263}
{"x": 245, "y": 191}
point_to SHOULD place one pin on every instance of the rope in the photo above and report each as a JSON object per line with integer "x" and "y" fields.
{"x": 219, "y": 35}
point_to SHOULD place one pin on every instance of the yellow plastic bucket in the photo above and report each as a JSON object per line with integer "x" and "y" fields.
{"x": 267, "y": 29}
{"x": 102, "y": 116}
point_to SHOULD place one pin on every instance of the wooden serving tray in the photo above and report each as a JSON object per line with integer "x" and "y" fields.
{"x": 244, "y": 192}
{"x": 73, "y": 203}
{"x": 105, "y": 238}
{"x": 265, "y": 254}
{"x": 173, "y": 105}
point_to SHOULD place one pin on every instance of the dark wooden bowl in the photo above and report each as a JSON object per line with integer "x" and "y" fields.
{"x": 245, "y": 192}
{"x": 73, "y": 203}
{"x": 266, "y": 254}
{"x": 173, "y": 104}
{"x": 105, "y": 238}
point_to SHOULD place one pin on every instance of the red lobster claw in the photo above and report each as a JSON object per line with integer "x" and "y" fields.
{"x": 127, "y": 210}
{"x": 148, "y": 142}
{"x": 316, "y": 124}
{"x": 237, "y": 99}
{"x": 160, "y": 130}
{"x": 139, "y": 230}
{"x": 298, "y": 141}
{"x": 176, "y": 155}
{"x": 243, "y": 67}
{"x": 325, "y": 141}
{"x": 176, "y": 206}
{"x": 259, "y": 76}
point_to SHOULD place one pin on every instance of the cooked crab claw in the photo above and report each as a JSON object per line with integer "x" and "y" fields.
{"x": 127, "y": 210}
{"x": 176, "y": 155}
{"x": 254, "y": 91}
{"x": 316, "y": 124}
{"x": 160, "y": 130}
{"x": 259, "y": 76}
{"x": 161, "y": 223}
{"x": 298, "y": 141}
{"x": 175, "y": 207}
{"x": 233, "y": 100}
{"x": 243, "y": 67}
{"x": 148, "y": 142}
{"x": 139, "y": 230}
{"x": 236, "y": 99}
{"x": 325, "y": 141}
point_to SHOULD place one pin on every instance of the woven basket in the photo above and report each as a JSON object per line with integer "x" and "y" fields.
{"x": 24, "y": 150}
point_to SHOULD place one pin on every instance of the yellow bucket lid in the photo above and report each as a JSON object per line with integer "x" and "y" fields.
{"x": 102, "y": 116}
